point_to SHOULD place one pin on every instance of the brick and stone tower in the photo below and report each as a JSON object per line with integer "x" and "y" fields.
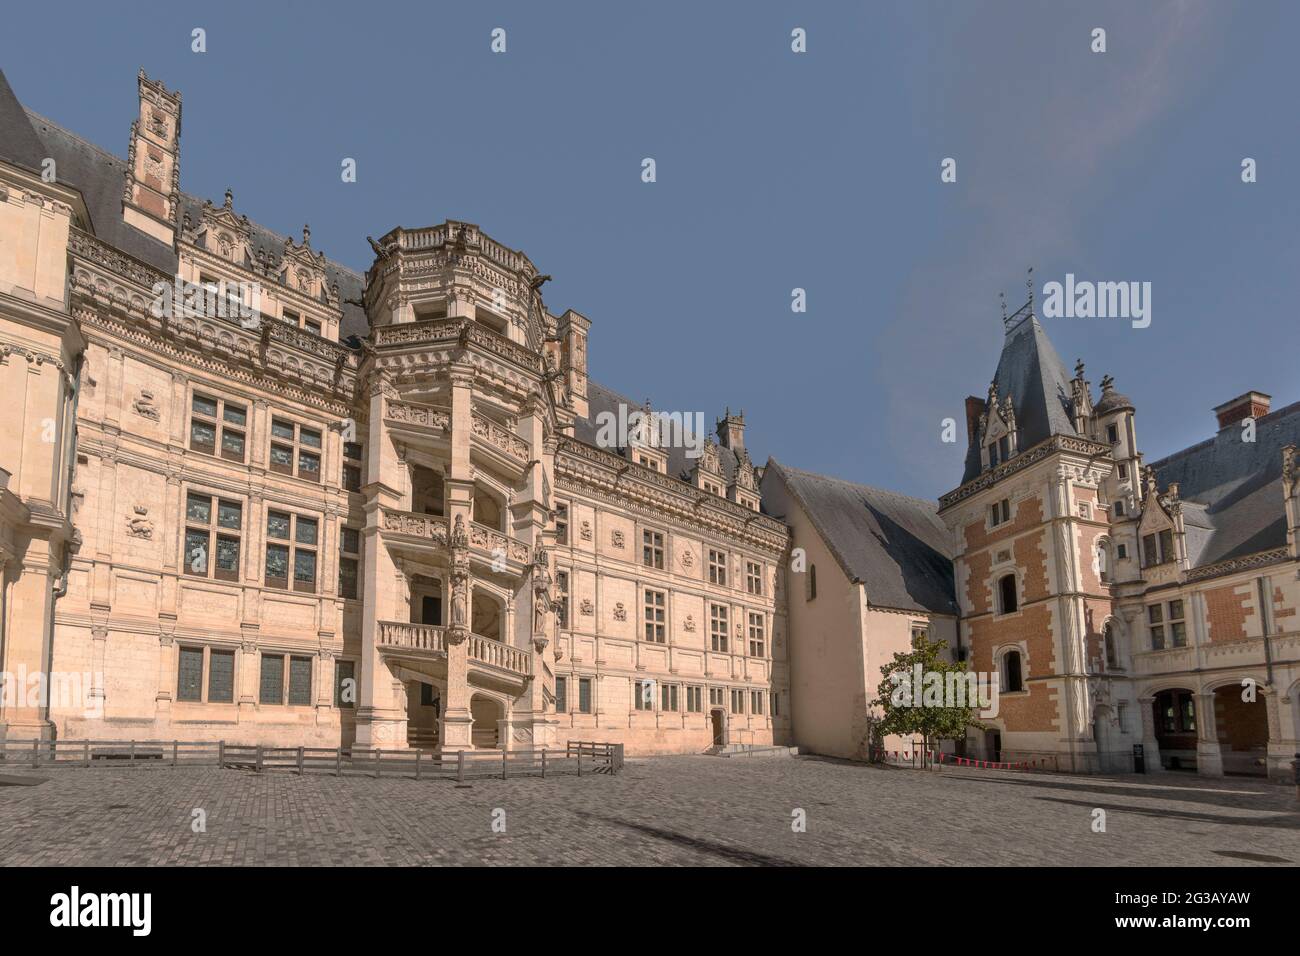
{"x": 1030, "y": 523}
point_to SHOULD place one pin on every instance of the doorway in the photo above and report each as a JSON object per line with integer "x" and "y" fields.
{"x": 719, "y": 728}
{"x": 993, "y": 745}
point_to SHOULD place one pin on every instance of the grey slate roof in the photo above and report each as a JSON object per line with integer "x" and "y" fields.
{"x": 895, "y": 545}
{"x": 26, "y": 138}
{"x": 18, "y": 141}
{"x": 601, "y": 399}
{"x": 1232, "y": 490}
{"x": 1031, "y": 372}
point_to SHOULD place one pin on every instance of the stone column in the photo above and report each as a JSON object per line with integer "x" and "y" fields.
{"x": 456, "y": 729}
{"x": 1281, "y": 749}
{"x": 1209, "y": 752}
{"x": 457, "y": 723}
{"x": 166, "y": 672}
{"x": 380, "y": 715}
{"x": 1150, "y": 746}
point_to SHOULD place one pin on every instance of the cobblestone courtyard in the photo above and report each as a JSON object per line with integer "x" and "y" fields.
{"x": 676, "y": 810}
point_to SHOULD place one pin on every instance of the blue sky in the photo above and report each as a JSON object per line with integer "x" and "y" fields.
{"x": 775, "y": 171}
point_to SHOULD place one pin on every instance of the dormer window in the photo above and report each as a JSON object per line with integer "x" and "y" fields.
{"x": 999, "y": 451}
{"x": 1157, "y": 548}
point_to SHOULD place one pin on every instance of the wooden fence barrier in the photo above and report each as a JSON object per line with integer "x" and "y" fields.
{"x": 575, "y": 758}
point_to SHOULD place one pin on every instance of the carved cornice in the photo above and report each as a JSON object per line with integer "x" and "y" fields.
{"x": 1245, "y": 563}
{"x": 1031, "y": 456}
{"x": 124, "y": 267}
{"x": 590, "y": 471}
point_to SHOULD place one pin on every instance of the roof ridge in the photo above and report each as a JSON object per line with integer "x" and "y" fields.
{"x": 1268, "y": 419}
{"x": 32, "y": 114}
{"x": 857, "y": 484}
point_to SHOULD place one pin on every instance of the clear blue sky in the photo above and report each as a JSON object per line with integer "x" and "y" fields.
{"x": 775, "y": 170}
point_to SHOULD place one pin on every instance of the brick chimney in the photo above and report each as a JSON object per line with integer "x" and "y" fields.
{"x": 731, "y": 430}
{"x": 1249, "y": 405}
{"x": 974, "y": 409}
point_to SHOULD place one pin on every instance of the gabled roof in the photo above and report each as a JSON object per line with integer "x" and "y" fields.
{"x": 893, "y": 544}
{"x": 1030, "y": 371}
{"x": 1234, "y": 487}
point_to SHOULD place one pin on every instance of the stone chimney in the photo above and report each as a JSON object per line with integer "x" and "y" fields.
{"x": 731, "y": 430}
{"x": 572, "y": 328}
{"x": 153, "y": 177}
{"x": 1249, "y": 405}
{"x": 974, "y": 409}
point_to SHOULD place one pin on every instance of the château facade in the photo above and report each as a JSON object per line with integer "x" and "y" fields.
{"x": 247, "y": 493}
{"x": 343, "y": 509}
{"x": 1121, "y": 603}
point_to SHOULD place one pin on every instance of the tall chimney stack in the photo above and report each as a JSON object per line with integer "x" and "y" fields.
{"x": 153, "y": 177}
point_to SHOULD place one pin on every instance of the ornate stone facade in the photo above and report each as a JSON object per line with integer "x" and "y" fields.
{"x": 242, "y": 526}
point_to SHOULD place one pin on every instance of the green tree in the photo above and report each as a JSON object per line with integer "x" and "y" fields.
{"x": 916, "y": 695}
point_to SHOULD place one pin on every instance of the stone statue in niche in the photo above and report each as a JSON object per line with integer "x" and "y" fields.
{"x": 140, "y": 526}
{"x": 145, "y": 406}
{"x": 458, "y": 589}
{"x": 459, "y": 536}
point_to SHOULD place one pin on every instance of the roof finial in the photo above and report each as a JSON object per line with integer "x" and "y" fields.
{"x": 230, "y": 198}
{"x": 1002, "y": 297}
{"x": 1029, "y": 284}
{"x": 306, "y": 235}
{"x": 1078, "y": 368}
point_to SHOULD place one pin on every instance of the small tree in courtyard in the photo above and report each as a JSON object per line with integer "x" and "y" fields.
{"x": 923, "y": 693}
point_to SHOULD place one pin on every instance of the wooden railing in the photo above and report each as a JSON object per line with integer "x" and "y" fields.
{"x": 417, "y": 637}
{"x": 576, "y": 758}
{"x": 501, "y": 656}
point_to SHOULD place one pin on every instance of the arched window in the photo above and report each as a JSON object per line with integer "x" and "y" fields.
{"x": 1007, "y": 594}
{"x": 1011, "y": 678}
{"x": 1112, "y": 652}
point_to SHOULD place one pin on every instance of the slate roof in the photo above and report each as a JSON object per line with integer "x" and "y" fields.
{"x": 601, "y": 399}
{"x": 1031, "y": 372}
{"x": 26, "y": 138}
{"x": 1232, "y": 490}
{"x": 893, "y": 544}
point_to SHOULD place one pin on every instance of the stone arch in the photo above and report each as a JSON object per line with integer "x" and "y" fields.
{"x": 1020, "y": 666}
{"x": 487, "y": 616}
{"x": 1240, "y": 724}
{"x": 1112, "y": 650}
{"x": 489, "y": 507}
{"x": 488, "y": 713}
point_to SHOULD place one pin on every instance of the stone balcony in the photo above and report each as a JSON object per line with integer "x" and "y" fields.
{"x": 429, "y": 642}
{"x": 431, "y": 531}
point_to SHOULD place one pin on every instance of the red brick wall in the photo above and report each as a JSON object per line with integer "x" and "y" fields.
{"x": 1227, "y": 611}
